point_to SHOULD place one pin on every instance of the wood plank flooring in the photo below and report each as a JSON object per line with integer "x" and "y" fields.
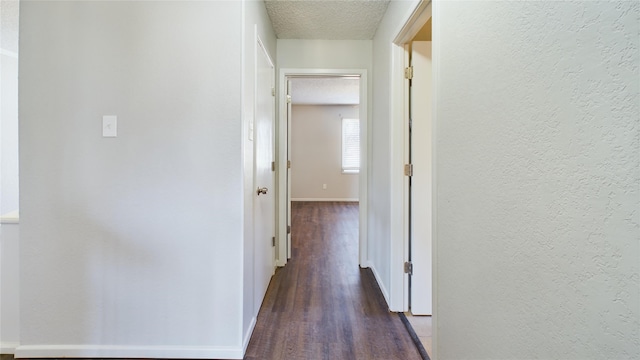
{"x": 321, "y": 305}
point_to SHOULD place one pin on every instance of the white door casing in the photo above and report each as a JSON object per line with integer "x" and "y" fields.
{"x": 399, "y": 293}
{"x": 283, "y": 153}
{"x": 421, "y": 180}
{"x": 288, "y": 168}
{"x": 264, "y": 200}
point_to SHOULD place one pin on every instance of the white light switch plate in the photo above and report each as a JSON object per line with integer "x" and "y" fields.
{"x": 109, "y": 126}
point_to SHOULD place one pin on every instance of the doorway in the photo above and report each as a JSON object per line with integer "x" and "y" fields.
{"x": 413, "y": 206}
{"x": 263, "y": 176}
{"x": 287, "y": 81}
{"x": 420, "y": 149}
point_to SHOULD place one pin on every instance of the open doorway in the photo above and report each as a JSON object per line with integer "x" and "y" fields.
{"x": 420, "y": 151}
{"x": 323, "y": 118}
{"x": 324, "y": 138}
{"x": 321, "y": 121}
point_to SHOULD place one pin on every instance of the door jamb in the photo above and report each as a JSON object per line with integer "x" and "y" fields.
{"x": 399, "y": 281}
{"x": 399, "y": 186}
{"x": 282, "y": 146}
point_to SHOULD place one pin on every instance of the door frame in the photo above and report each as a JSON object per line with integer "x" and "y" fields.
{"x": 260, "y": 48}
{"x": 283, "y": 251}
{"x": 424, "y": 10}
{"x": 399, "y": 202}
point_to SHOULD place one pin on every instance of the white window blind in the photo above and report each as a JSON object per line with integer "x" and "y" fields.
{"x": 350, "y": 145}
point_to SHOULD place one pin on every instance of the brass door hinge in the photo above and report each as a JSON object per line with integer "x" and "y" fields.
{"x": 408, "y": 169}
{"x": 273, "y": 166}
{"x": 288, "y": 229}
{"x": 288, "y": 164}
{"x": 408, "y": 72}
{"x": 408, "y": 268}
{"x": 273, "y": 241}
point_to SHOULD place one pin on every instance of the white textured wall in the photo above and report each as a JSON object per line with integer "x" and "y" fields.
{"x": 255, "y": 17}
{"x": 380, "y": 242}
{"x": 9, "y": 288}
{"x": 131, "y": 246}
{"x": 316, "y": 151}
{"x": 538, "y": 173}
{"x": 9, "y": 232}
{"x": 324, "y": 54}
{"x": 9, "y": 12}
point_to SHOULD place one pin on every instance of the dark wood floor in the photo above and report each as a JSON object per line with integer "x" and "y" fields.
{"x": 321, "y": 305}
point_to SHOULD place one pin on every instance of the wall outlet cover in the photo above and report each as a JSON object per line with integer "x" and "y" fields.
{"x": 109, "y": 126}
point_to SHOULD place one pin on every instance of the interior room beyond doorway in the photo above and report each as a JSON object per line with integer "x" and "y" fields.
{"x": 324, "y": 138}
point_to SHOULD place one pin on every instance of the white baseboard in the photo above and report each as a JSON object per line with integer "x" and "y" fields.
{"x": 326, "y": 199}
{"x": 247, "y": 336}
{"x": 8, "y": 348}
{"x": 114, "y": 351}
{"x": 385, "y": 293}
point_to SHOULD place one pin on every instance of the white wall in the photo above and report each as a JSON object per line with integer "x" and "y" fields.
{"x": 9, "y": 229}
{"x": 537, "y": 163}
{"x": 316, "y": 151}
{"x": 9, "y": 12}
{"x": 9, "y": 132}
{"x": 131, "y": 246}
{"x": 324, "y": 54}
{"x": 380, "y": 249}
{"x": 9, "y": 288}
{"x": 255, "y": 17}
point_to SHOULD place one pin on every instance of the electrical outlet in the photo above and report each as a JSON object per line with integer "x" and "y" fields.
{"x": 324, "y": 186}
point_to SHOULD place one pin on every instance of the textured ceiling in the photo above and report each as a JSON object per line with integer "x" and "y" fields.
{"x": 326, "y": 19}
{"x": 325, "y": 91}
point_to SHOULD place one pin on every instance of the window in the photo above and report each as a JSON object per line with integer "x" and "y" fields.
{"x": 350, "y": 146}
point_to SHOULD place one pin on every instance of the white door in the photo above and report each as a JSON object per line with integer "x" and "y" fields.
{"x": 421, "y": 181}
{"x": 288, "y": 169}
{"x": 264, "y": 195}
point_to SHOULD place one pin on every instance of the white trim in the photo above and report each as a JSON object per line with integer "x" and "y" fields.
{"x": 414, "y": 22}
{"x": 8, "y": 53}
{"x": 247, "y": 336}
{"x": 435, "y": 55}
{"x": 115, "y": 351}
{"x": 365, "y": 135}
{"x": 10, "y": 218}
{"x": 8, "y": 348}
{"x": 326, "y": 199}
{"x": 264, "y": 49}
{"x": 398, "y": 281}
{"x": 323, "y": 103}
{"x": 384, "y": 291}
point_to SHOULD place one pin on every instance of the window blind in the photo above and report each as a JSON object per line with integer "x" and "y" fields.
{"x": 350, "y": 145}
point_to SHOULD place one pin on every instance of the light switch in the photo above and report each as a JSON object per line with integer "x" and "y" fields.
{"x": 109, "y": 126}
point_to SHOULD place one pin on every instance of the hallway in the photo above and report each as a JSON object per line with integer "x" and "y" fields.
{"x": 321, "y": 305}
